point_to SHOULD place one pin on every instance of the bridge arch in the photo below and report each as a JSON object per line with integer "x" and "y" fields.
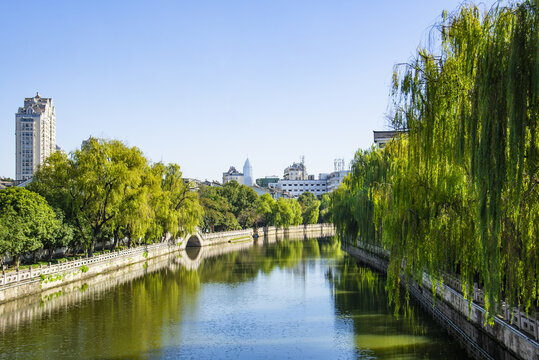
{"x": 194, "y": 241}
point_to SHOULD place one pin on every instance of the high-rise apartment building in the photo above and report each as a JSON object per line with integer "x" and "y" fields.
{"x": 35, "y": 132}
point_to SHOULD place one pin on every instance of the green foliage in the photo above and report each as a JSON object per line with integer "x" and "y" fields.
{"x": 178, "y": 211}
{"x": 107, "y": 189}
{"x": 310, "y": 208}
{"x": 286, "y": 212}
{"x": 26, "y": 222}
{"x": 234, "y": 206}
{"x": 84, "y": 268}
{"x": 218, "y": 214}
{"x": 265, "y": 207}
{"x": 324, "y": 209}
{"x": 458, "y": 193}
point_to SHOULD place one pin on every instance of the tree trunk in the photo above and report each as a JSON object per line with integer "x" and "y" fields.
{"x": 16, "y": 260}
{"x": 115, "y": 237}
{"x": 92, "y": 248}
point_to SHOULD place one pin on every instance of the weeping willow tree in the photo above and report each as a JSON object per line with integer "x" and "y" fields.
{"x": 354, "y": 202}
{"x": 459, "y": 194}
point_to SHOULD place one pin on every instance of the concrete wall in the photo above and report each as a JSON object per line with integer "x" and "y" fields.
{"x": 57, "y": 275}
{"x": 500, "y": 341}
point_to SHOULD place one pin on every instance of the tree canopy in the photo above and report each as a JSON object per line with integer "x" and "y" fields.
{"x": 458, "y": 192}
{"x": 108, "y": 190}
{"x": 26, "y": 222}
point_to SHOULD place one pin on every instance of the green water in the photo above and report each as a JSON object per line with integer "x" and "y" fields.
{"x": 290, "y": 299}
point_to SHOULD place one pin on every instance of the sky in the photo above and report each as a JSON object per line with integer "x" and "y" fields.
{"x": 206, "y": 84}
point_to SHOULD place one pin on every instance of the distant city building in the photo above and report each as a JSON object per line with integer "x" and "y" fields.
{"x": 274, "y": 192}
{"x": 298, "y": 187}
{"x": 296, "y": 171}
{"x": 296, "y": 180}
{"x": 381, "y": 138}
{"x": 195, "y": 184}
{"x": 335, "y": 179}
{"x": 265, "y": 181}
{"x": 247, "y": 173}
{"x": 35, "y": 135}
{"x": 232, "y": 174}
{"x": 6, "y": 183}
{"x": 84, "y": 143}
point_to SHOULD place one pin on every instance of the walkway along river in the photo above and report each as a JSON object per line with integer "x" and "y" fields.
{"x": 282, "y": 299}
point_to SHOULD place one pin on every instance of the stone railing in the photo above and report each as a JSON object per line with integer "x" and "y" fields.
{"x": 12, "y": 277}
{"x": 227, "y": 234}
{"x": 32, "y": 273}
{"x": 528, "y": 323}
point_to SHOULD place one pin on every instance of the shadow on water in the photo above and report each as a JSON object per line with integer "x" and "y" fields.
{"x": 361, "y": 299}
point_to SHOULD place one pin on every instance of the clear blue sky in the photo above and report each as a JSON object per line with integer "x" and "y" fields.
{"x": 206, "y": 83}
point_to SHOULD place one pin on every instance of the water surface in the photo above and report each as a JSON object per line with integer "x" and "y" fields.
{"x": 290, "y": 299}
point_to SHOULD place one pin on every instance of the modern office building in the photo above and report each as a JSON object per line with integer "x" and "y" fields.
{"x": 265, "y": 181}
{"x": 297, "y": 187}
{"x": 296, "y": 180}
{"x": 35, "y": 132}
{"x": 247, "y": 173}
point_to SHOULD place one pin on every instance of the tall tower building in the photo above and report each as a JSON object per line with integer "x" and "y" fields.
{"x": 247, "y": 173}
{"x": 35, "y": 132}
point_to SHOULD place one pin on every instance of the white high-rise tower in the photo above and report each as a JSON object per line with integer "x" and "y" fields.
{"x": 247, "y": 173}
{"x": 35, "y": 132}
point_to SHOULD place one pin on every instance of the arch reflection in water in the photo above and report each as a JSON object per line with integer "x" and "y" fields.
{"x": 193, "y": 253}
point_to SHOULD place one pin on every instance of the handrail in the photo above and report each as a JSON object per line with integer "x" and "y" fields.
{"x": 521, "y": 320}
{"x": 33, "y": 273}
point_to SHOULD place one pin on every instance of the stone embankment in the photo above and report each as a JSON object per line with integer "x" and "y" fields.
{"x": 16, "y": 313}
{"x": 16, "y": 284}
{"x": 502, "y": 340}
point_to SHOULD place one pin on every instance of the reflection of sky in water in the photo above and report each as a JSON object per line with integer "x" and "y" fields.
{"x": 278, "y": 301}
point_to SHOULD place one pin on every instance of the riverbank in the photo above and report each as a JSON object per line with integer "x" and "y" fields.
{"x": 500, "y": 341}
{"x": 302, "y": 298}
{"x": 37, "y": 280}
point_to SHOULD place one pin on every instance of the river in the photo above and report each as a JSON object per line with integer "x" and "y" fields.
{"x": 289, "y": 299}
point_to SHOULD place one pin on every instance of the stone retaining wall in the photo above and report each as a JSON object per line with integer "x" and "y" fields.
{"x": 500, "y": 341}
{"x": 17, "y": 284}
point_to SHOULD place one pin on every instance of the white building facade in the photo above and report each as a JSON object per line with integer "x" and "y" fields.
{"x": 296, "y": 181}
{"x": 296, "y": 171}
{"x": 35, "y": 133}
{"x": 297, "y": 187}
{"x": 232, "y": 175}
{"x": 335, "y": 179}
{"x": 381, "y": 138}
